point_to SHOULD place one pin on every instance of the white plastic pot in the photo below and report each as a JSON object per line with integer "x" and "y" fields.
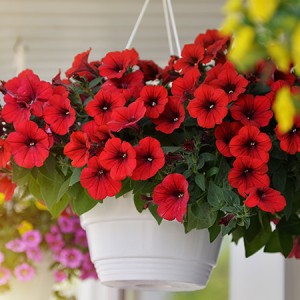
{"x": 130, "y": 250}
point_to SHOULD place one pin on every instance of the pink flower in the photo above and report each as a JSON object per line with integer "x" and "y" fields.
{"x": 5, "y": 275}
{"x": 32, "y": 238}
{"x": 80, "y": 238}
{"x": 55, "y": 242}
{"x": 87, "y": 269}
{"x": 24, "y": 272}
{"x": 70, "y": 258}
{"x": 34, "y": 254}
{"x": 66, "y": 225}
{"x": 16, "y": 245}
{"x": 60, "y": 275}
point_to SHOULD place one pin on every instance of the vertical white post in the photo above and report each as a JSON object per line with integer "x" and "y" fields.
{"x": 19, "y": 55}
{"x": 292, "y": 275}
{"x": 258, "y": 277}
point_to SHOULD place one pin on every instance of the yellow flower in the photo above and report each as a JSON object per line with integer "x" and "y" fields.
{"x": 280, "y": 54}
{"x": 284, "y": 109}
{"x": 262, "y": 11}
{"x": 2, "y": 198}
{"x": 230, "y": 24}
{"x": 41, "y": 206}
{"x": 242, "y": 44}
{"x": 295, "y": 41}
{"x": 24, "y": 227}
{"x": 233, "y": 6}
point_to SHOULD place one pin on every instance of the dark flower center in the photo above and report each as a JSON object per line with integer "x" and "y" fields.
{"x": 32, "y": 143}
{"x": 252, "y": 144}
{"x": 261, "y": 194}
{"x": 150, "y": 159}
{"x": 124, "y": 155}
{"x": 180, "y": 195}
{"x": 294, "y": 130}
{"x": 229, "y": 89}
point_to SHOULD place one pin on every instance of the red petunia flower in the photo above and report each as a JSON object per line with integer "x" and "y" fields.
{"x": 78, "y": 149}
{"x": 29, "y": 145}
{"x": 184, "y": 87}
{"x": 149, "y": 157}
{"x": 252, "y": 143}
{"x": 228, "y": 80}
{"x": 82, "y": 67}
{"x": 115, "y": 64}
{"x": 98, "y": 181}
{"x": 248, "y": 172}
{"x": 154, "y": 98}
{"x": 124, "y": 117}
{"x": 5, "y": 153}
{"x": 119, "y": 157}
{"x": 103, "y": 104}
{"x": 172, "y": 116}
{"x": 169, "y": 74}
{"x": 250, "y": 110}
{"x": 129, "y": 85}
{"x": 150, "y": 69}
{"x": 265, "y": 198}
{"x": 59, "y": 114}
{"x": 290, "y": 141}
{"x": 26, "y": 94}
{"x": 191, "y": 56}
{"x": 213, "y": 42}
{"x": 224, "y": 133}
{"x": 209, "y": 106}
{"x": 7, "y": 187}
{"x": 172, "y": 196}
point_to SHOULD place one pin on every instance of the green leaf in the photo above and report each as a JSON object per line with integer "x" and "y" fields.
{"x": 221, "y": 177}
{"x": 215, "y": 196}
{"x": 153, "y": 209}
{"x": 59, "y": 206}
{"x": 34, "y": 188}
{"x": 139, "y": 203}
{"x": 279, "y": 242}
{"x": 229, "y": 227}
{"x": 20, "y": 175}
{"x": 80, "y": 200}
{"x": 171, "y": 149}
{"x": 291, "y": 226}
{"x": 212, "y": 171}
{"x": 200, "y": 181}
{"x": 127, "y": 186}
{"x": 75, "y": 177}
{"x": 214, "y": 231}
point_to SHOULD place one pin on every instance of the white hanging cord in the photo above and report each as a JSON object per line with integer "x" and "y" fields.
{"x": 167, "y": 23}
{"x": 137, "y": 24}
{"x": 174, "y": 27}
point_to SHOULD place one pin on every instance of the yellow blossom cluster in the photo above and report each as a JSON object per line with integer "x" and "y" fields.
{"x": 266, "y": 29}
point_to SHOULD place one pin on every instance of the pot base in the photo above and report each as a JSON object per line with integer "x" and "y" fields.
{"x": 150, "y": 274}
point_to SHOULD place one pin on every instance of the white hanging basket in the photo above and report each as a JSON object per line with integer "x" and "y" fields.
{"x": 130, "y": 250}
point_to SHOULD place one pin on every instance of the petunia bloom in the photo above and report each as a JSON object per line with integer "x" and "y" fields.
{"x": 265, "y": 198}
{"x": 5, "y": 153}
{"x": 172, "y": 116}
{"x": 32, "y": 238}
{"x": 24, "y": 272}
{"x": 97, "y": 180}
{"x": 250, "y": 110}
{"x": 5, "y": 275}
{"x": 29, "y": 145}
{"x": 70, "y": 257}
{"x": 172, "y": 196}
{"x": 209, "y": 106}
{"x": 150, "y": 158}
{"x": 251, "y": 142}
{"x": 59, "y": 114}
{"x": 224, "y": 133}
{"x": 248, "y": 172}
{"x": 154, "y": 99}
{"x": 119, "y": 157}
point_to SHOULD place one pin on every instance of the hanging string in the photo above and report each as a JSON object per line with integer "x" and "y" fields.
{"x": 137, "y": 24}
{"x": 174, "y": 27}
{"x": 168, "y": 29}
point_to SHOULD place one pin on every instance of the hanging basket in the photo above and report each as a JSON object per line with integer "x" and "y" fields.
{"x": 131, "y": 251}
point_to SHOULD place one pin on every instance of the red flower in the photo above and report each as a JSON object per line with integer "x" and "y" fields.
{"x": 59, "y": 114}
{"x": 251, "y": 142}
{"x": 124, "y": 117}
{"x": 78, "y": 149}
{"x": 169, "y": 74}
{"x": 7, "y": 187}
{"x": 150, "y": 69}
{"x": 115, "y": 64}
{"x": 213, "y": 43}
{"x": 209, "y": 106}
{"x": 129, "y": 85}
{"x": 26, "y": 94}
{"x": 290, "y": 141}
{"x": 172, "y": 196}
{"x": 248, "y": 172}
{"x": 154, "y": 98}
{"x": 224, "y": 133}
{"x": 149, "y": 159}
{"x": 5, "y": 153}
{"x": 29, "y": 145}
{"x": 103, "y": 104}
{"x": 229, "y": 80}
{"x": 98, "y": 181}
{"x": 172, "y": 116}
{"x": 250, "y": 110}
{"x": 266, "y": 198}
{"x": 118, "y": 157}
{"x": 184, "y": 87}
{"x": 82, "y": 67}
{"x": 192, "y": 56}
